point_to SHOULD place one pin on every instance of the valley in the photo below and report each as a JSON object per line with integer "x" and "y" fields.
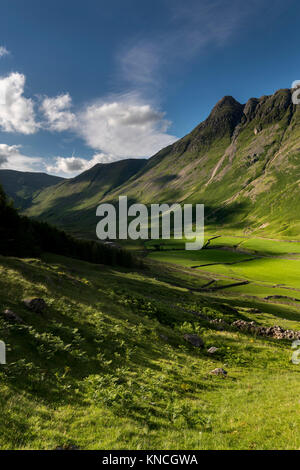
{"x": 264, "y": 274}
{"x": 143, "y": 344}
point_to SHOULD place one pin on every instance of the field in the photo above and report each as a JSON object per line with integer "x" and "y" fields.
{"x": 107, "y": 367}
{"x": 267, "y": 271}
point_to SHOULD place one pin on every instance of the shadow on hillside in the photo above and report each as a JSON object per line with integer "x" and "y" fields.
{"x": 52, "y": 352}
{"x": 165, "y": 179}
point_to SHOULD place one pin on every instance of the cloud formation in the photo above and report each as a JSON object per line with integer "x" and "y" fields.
{"x": 140, "y": 63}
{"x": 16, "y": 111}
{"x": 3, "y": 51}
{"x": 57, "y": 113}
{"x": 125, "y": 127}
{"x": 71, "y": 166}
{"x": 193, "y": 28}
{"x": 12, "y": 157}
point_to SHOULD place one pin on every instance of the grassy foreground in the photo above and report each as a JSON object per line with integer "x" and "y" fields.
{"x": 106, "y": 366}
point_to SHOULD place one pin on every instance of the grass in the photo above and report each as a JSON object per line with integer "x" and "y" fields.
{"x": 106, "y": 366}
{"x": 271, "y": 276}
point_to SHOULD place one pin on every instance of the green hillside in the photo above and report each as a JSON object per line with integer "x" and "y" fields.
{"x": 22, "y": 187}
{"x": 72, "y": 203}
{"x": 106, "y": 365}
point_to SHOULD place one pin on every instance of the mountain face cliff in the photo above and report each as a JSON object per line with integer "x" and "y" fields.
{"x": 242, "y": 162}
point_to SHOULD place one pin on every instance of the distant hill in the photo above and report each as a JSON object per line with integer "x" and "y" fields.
{"x": 23, "y": 186}
{"x": 72, "y": 203}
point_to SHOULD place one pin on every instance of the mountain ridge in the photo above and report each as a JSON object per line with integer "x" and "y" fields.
{"x": 242, "y": 162}
{"x": 232, "y": 169}
{"x": 77, "y": 198}
{"x": 23, "y": 186}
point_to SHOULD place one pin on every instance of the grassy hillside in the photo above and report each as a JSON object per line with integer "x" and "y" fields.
{"x": 106, "y": 365}
{"x": 72, "y": 203}
{"x": 22, "y": 187}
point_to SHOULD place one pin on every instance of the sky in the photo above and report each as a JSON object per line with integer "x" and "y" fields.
{"x": 86, "y": 82}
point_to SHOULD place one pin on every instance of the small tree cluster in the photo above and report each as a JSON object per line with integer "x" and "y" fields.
{"x": 21, "y": 236}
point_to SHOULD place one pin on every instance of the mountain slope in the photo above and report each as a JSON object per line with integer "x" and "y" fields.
{"x": 72, "y": 203}
{"x": 23, "y": 186}
{"x": 242, "y": 162}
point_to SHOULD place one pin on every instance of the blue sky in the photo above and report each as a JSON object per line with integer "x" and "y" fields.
{"x": 91, "y": 81}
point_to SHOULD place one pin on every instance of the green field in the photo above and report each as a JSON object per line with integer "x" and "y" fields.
{"x": 270, "y": 268}
{"x": 106, "y": 366}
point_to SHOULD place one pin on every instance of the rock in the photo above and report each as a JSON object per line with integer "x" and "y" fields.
{"x": 219, "y": 371}
{"x": 164, "y": 337}
{"x": 212, "y": 350}
{"x": 195, "y": 340}
{"x": 67, "y": 447}
{"x": 12, "y": 316}
{"x": 219, "y": 323}
{"x": 35, "y": 305}
{"x": 276, "y": 331}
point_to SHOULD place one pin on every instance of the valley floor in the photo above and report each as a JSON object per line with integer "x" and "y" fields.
{"x": 106, "y": 366}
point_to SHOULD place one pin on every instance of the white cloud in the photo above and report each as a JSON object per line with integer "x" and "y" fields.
{"x": 125, "y": 127}
{"x": 140, "y": 64}
{"x": 72, "y": 166}
{"x": 57, "y": 113}
{"x": 3, "y": 51}
{"x": 12, "y": 158}
{"x": 16, "y": 111}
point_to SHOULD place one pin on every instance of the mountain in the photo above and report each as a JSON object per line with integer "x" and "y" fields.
{"x": 23, "y": 186}
{"x": 72, "y": 203}
{"x": 242, "y": 162}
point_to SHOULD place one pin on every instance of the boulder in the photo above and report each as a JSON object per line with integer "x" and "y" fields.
{"x": 212, "y": 350}
{"x": 195, "y": 340}
{"x": 219, "y": 371}
{"x": 35, "y": 305}
{"x": 163, "y": 337}
{"x": 9, "y": 315}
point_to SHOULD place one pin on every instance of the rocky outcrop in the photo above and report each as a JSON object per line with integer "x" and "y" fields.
{"x": 276, "y": 331}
